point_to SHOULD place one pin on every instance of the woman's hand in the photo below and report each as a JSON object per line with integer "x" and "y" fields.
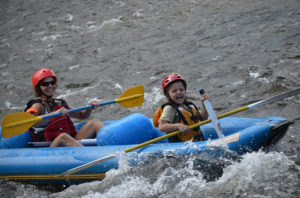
{"x": 95, "y": 104}
{"x": 64, "y": 111}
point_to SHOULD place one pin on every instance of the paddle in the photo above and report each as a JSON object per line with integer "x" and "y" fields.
{"x": 17, "y": 123}
{"x": 212, "y": 115}
{"x": 251, "y": 106}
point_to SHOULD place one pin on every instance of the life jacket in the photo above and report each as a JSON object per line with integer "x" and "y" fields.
{"x": 56, "y": 125}
{"x": 188, "y": 116}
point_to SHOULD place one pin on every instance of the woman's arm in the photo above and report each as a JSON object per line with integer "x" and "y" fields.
{"x": 37, "y": 109}
{"x": 84, "y": 113}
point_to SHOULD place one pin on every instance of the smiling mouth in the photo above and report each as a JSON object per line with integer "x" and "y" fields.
{"x": 50, "y": 90}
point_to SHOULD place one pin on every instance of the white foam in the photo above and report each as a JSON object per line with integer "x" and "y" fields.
{"x": 83, "y": 90}
{"x": 69, "y": 18}
{"x": 75, "y": 28}
{"x": 94, "y": 28}
{"x": 240, "y": 82}
{"x": 264, "y": 80}
{"x": 217, "y": 58}
{"x": 74, "y": 67}
{"x": 138, "y": 13}
{"x": 154, "y": 97}
{"x": 257, "y": 75}
{"x": 153, "y": 78}
{"x": 259, "y": 173}
{"x": 254, "y": 74}
{"x": 8, "y": 105}
{"x": 52, "y": 37}
{"x": 117, "y": 85}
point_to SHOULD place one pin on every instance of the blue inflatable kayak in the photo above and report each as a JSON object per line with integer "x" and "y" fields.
{"x": 26, "y": 161}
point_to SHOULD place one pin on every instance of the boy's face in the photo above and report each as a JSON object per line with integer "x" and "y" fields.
{"x": 177, "y": 92}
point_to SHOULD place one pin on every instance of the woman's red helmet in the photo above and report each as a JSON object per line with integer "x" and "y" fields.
{"x": 40, "y": 75}
{"x": 170, "y": 78}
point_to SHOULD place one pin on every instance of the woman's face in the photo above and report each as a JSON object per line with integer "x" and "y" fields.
{"x": 177, "y": 93}
{"x": 48, "y": 86}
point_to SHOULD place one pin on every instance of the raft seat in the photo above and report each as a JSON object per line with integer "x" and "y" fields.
{"x": 84, "y": 142}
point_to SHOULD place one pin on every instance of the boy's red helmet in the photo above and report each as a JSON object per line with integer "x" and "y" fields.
{"x": 172, "y": 78}
{"x": 39, "y": 75}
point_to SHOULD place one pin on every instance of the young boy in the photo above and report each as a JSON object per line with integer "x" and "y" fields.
{"x": 178, "y": 113}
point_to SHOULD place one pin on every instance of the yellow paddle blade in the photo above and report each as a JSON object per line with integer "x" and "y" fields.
{"x": 17, "y": 123}
{"x": 132, "y": 97}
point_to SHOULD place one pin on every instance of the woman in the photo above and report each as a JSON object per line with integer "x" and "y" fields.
{"x": 59, "y": 129}
{"x": 178, "y": 113}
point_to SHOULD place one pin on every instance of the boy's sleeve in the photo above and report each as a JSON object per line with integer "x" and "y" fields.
{"x": 168, "y": 114}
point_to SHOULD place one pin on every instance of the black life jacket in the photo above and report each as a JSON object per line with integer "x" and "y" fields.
{"x": 56, "y": 125}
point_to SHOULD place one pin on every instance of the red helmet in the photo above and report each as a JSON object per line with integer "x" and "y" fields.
{"x": 172, "y": 78}
{"x": 39, "y": 75}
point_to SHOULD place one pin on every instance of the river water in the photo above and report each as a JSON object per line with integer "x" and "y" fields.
{"x": 240, "y": 52}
